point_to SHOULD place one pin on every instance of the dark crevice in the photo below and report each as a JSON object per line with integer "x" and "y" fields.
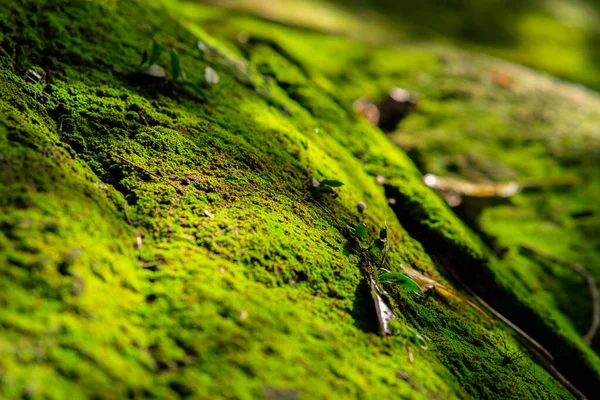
{"x": 475, "y": 272}
{"x": 363, "y": 307}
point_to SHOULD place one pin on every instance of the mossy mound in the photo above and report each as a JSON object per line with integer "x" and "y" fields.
{"x": 159, "y": 238}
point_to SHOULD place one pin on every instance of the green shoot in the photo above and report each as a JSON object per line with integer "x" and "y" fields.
{"x": 399, "y": 279}
{"x": 331, "y": 183}
{"x": 361, "y": 230}
{"x": 144, "y": 58}
{"x": 156, "y": 50}
{"x": 325, "y": 186}
{"x": 175, "y": 65}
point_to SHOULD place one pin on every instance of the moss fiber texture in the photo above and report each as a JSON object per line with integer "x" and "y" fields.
{"x": 158, "y": 239}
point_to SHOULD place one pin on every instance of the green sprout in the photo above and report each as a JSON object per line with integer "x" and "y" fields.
{"x": 325, "y": 186}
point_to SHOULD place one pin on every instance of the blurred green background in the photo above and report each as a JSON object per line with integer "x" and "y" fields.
{"x": 561, "y": 37}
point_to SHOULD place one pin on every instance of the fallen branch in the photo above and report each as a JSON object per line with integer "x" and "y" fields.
{"x": 591, "y": 283}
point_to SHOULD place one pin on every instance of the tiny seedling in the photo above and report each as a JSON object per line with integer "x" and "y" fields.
{"x": 325, "y": 186}
{"x": 400, "y": 280}
{"x": 176, "y": 66}
{"x": 149, "y": 63}
{"x": 381, "y": 242}
{"x": 510, "y": 357}
{"x": 361, "y": 230}
{"x": 154, "y": 55}
{"x": 144, "y": 58}
{"x": 156, "y": 50}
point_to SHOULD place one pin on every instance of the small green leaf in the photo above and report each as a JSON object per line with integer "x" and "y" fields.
{"x": 156, "y": 50}
{"x": 396, "y": 278}
{"x": 175, "y": 65}
{"x": 144, "y": 58}
{"x": 323, "y": 189}
{"x": 361, "y": 230}
{"x": 390, "y": 276}
{"x": 377, "y": 245}
{"x": 332, "y": 183}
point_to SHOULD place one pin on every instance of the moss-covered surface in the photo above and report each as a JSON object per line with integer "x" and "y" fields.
{"x": 560, "y": 37}
{"x": 116, "y": 280}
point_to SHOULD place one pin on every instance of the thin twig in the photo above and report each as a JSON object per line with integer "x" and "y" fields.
{"x": 454, "y": 294}
{"x": 411, "y": 359}
{"x": 178, "y": 189}
{"x": 591, "y": 283}
{"x": 386, "y": 248}
{"x": 552, "y": 369}
{"x": 126, "y": 213}
{"x": 542, "y": 355}
{"x": 143, "y": 117}
{"x": 501, "y": 317}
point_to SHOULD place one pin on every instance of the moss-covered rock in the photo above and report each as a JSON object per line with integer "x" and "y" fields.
{"x": 160, "y": 238}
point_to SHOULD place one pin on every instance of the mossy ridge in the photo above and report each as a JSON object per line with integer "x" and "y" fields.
{"x": 92, "y": 117}
{"x": 466, "y": 78}
{"x": 95, "y": 99}
{"x": 435, "y": 217}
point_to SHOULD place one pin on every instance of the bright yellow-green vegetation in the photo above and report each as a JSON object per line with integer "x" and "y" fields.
{"x": 561, "y": 37}
{"x": 159, "y": 240}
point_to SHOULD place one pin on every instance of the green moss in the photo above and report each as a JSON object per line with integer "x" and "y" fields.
{"x": 116, "y": 280}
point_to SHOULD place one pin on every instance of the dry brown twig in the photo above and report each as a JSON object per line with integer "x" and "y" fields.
{"x": 591, "y": 283}
{"x": 542, "y": 355}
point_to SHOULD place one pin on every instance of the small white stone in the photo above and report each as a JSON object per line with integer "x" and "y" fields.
{"x": 203, "y": 46}
{"x": 156, "y": 71}
{"x": 430, "y": 180}
{"x": 400, "y": 95}
{"x": 362, "y": 206}
{"x": 209, "y": 214}
{"x": 211, "y": 76}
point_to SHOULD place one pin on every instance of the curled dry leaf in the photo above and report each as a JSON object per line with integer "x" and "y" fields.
{"x": 454, "y": 190}
{"x": 384, "y": 314}
{"x": 466, "y": 188}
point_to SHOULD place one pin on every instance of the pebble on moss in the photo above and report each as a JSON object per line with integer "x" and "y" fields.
{"x": 156, "y": 71}
{"x": 211, "y": 76}
{"x": 395, "y": 107}
{"x": 209, "y": 214}
{"x": 362, "y": 206}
